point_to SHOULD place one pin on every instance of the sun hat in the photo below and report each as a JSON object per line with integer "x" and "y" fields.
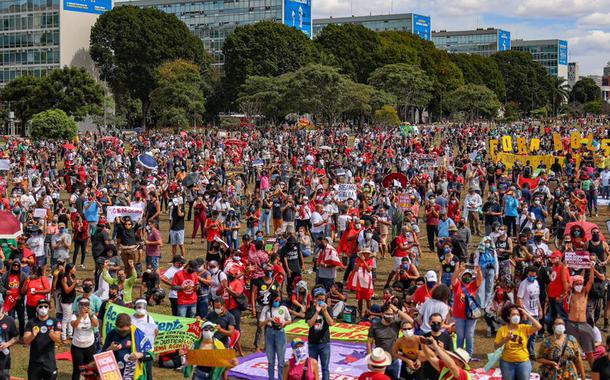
{"x": 379, "y": 358}
{"x": 461, "y": 355}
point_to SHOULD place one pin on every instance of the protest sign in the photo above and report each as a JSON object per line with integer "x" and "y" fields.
{"x": 509, "y": 159}
{"x": 211, "y": 358}
{"x": 404, "y": 201}
{"x": 257, "y": 163}
{"x": 577, "y": 260}
{"x": 40, "y": 213}
{"x": 113, "y": 212}
{"x": 340, "y": 331}
{"x": 5, "y": 164}
{"x": 347, "y": 362}
{"x": 107, "y": 366}
{"x": 174, "y": 332}
{"x": 346, "y": 191}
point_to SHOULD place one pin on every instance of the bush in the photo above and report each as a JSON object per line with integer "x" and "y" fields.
{"x": 53, "y": 124}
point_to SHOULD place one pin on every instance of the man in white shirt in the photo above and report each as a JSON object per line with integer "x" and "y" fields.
{"x": 36, "y": 244}
{"x": 60, "y": 242}
{"x": 317, "y": 222}
{"x": 473, "y": 203}
{"x": 605, "y": 183}
{"x": 149, "y": 327}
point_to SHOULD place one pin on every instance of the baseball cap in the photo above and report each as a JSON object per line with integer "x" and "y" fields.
{"x": 556, "y": 254}
{"x": 319, "y": 292}
{"x": 431, "y": 276}
{"x": 296, "y": 342}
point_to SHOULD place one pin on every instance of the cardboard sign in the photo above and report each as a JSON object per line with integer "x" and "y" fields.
{"x": 578, "y": 260}
{"x": 507, "y": 143}
{"x": 346, "y": 191}
{"x": 112, "y": 212}
{"x": 404, "y": 201}
{"x": 107, "y": 366}
{"x": 40, "y": 213}
{"x": 575, "y": 140}
{"x": 5, "y": 164}
{"x": 340, "y": 331}
{"x": 557, "y": 142}
{"x": 211, "y": 358}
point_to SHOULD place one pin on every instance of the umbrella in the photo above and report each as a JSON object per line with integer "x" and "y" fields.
{"x": 147, "y": 161}
{"x": 190, "y": 180}
{"x": 69, "y": 146}
{"x": 388, "y": 181}
{"x": 10, "y": 228}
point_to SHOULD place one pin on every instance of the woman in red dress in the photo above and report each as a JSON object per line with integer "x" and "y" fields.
{"x": 361, "y": 280}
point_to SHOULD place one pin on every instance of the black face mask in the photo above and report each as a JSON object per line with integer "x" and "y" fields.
{"x": 15, "y": 270}
{"x": 87, "y": 288}
{"x": 112, "y": 296}
{"x": 435, "y": 326}
{"x": 595, "y": 237}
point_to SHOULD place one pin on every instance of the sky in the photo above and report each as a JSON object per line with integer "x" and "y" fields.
{"x": 585, "y": 24}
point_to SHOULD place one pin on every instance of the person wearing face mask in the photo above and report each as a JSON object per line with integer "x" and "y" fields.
{"x": 319, "y": 320}
{"x": 406, "y": 349}
{"x": 442, "y": 338}
{"x": 84, "y": 322}
{"x": 9, "y": 335}
{"x": 528, "y": 298}
{"x": 515, "y": 362}
{"x": 42, "y": 333}
{"x": 385, "y": 332}
{"x": 487, "y": 259}
{"x": 361, "y": 280}
{"x": 224, "y": 322}
{"x": 185, "y": 282}
{"x": 273, "y": 318}
{"x": 576, "y": 324}
{"x": 143, "y": 321}
{"x": 130, "y": 346}
{"x": 36, "y": 244}
{"x": 300, "y": 366}
{"x": 207, "y": 342}
{"x": 61, "y": 242}
{"x": 461, "y": 282}
{"x": 601, "y": 367}
{"x": 168, "y": 277}
{"x": 560, "y": 355}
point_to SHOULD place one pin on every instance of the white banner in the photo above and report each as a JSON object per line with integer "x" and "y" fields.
{"x": 346, "y": 191}
{"x": 40, "y": 213}
{"x": 112, "y": 212}
{"x": 577, "y": 260}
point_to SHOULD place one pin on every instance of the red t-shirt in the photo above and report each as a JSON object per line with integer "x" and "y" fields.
{"x": 401, "y": 240}
{"x": 462, "y": 376}
{"x": 421, "y": 294}
{"x": 40, "y": 283}
{"x": 432, "y": 220}
{"x": 238, "y": 287}
{"x": 188, "y": 281}
{"x": 556, "y": 286}
{"x": 459, "y": 300}
{"x": 374, "y": 376}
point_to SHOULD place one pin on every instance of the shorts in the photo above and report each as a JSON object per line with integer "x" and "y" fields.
{"x": 176, "y": 237}
{"x": 364, "y": 294}
{"x": 152, "y": 261}
{"x": 583, "y": 333}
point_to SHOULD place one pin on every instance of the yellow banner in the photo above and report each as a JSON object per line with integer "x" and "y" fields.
{"x": 535, "y": 160}
{"x": 557, "y": 142}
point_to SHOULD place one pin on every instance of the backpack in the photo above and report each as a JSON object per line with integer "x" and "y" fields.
{"x": 393, "y": 246}
{"x": 486, "y": 260}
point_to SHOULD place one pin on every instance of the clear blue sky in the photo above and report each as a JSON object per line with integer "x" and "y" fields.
{"x": 584, "y": 23}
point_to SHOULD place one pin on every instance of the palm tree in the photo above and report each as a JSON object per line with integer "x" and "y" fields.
{"x": 560, "y": 91}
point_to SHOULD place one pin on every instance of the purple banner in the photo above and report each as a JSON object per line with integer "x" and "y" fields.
{"x": 347, "y": 362}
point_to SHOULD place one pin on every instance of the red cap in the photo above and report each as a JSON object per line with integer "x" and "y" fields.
{"x": 557, "y": 254}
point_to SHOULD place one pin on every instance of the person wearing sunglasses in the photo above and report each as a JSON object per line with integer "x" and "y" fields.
{"x": 42, "y": 333}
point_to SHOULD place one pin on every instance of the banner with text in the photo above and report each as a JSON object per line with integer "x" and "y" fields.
{"x": 509, "y": 159}
{"x": 112, "y": 212}
{"x": 174, "y": 332}
{"x": 346, "y": 191}
{"x": 578, "y": 259}
{"x": 340, "y": 331}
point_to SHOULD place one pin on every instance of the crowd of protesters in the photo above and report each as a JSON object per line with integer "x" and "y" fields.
{"x": 289, "y": 224}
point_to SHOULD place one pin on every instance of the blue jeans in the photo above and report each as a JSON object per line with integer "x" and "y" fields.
{"x": 393, "y": 370}
{"x": 200, "y": 375}
{"x": 516, "y": 371}
{"x": 187, "y": 310}
{"x": 203, "y": 303}
{"x": 464, "y": 329}
{"x": 265, "y": 221}
{"x": 252, "y": 232}
{"x": 321, "y": 352}
{"x": 153, "y": 261}
{"x": 487, "y": 288}
{"x": 233, "y": 243}
{"x": 275, "y": 346}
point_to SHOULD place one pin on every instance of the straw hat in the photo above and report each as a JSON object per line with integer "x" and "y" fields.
{"x": 461, "y": 355}
{"x": 379, "y": 358}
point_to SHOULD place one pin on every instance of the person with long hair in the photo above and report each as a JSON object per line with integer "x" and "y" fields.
{"x": 67, "y": 297}
{"x": 83, "y": 323}
{"x": 560, "y": 355}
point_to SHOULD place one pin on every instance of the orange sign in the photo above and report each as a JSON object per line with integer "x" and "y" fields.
{"x": 107, "y": 366}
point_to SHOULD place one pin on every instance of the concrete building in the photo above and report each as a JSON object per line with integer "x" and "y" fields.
{"x": 552, "y": 54}
{"x": 39, "y": 36}
{"x": 214, "y": 20}
{"x": 573, "y": 73}
{"x": 404, "y": 22}
{"x": 481, "y": 41}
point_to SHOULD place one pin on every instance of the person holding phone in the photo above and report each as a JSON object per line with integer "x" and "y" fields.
{"x": 83, "y": 322}
{"x": 319, "y": 320}
{"x": 515, "y": 362}
{"x": 130, "y": 346}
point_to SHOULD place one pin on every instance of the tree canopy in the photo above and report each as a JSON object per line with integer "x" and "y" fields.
{"x": 129, "y": 43}
{"x": 480, "y": 70}
{"x": 473, "y": 100}
{"x": 53, "y": 124}
{"x": 585, "y": 90}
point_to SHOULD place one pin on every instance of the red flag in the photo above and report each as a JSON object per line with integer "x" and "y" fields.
{"x": 532, "y": 182}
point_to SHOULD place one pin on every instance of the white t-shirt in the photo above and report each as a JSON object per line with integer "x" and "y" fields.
{"x": 83, "y": 336}
{"x": 529, "y": 292}
{"x": 316, "y": 218}
{"x": 169, "y": 274}
{"x": 148, "y": 326}
{"x": 429, "y": 307}
{"x": 275, "y": 312}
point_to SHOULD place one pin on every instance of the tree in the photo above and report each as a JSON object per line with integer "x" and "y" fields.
{"x": 356, "y": 47}
{"x": 585, "y": 90}
{"x": 526, "y": 81}
{"x": 387, "y": 116}
{"x": 400, "y": 47}
{"x": 480, "y": 70}
{"x": 264, "y": 96}
{"x": 53, "y": 124}
{"x": 408, "y": 83}
{"x": 178, "y": 99}
{"x": 24, "y": 97}
{"x": 560, "y": 91}
{"x": 474, "y": 100}
{"x": 74, "y": 91}
{"x": 129, "y": 43}
{"x": 594, "y": 107}
{"x": 264, "y": 49}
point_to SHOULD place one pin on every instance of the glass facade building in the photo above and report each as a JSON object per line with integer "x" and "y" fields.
{"x": 214, "y": 20}
{"x": 552, "y": 54}
{"x": 29, "y": 38}
{"x": 483, "y": 42}
{"x": 405, "y": 22}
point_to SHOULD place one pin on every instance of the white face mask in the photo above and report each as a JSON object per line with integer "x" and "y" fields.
{"x": 408, "y": 333}
{"x": 141, "y": 311}
{"x": 369, "y": 236}
{"x": 515, "y": 319}
{"x": 207, "y": 335}
{"x": 43, "y": 311}
{"x": 300, "y": 354}
{"x": 559, "y": 329}
{"x": 578, "y": 288}
{"x": 218, "y": 311}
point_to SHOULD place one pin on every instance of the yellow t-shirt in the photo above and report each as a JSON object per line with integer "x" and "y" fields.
{"x": 515, "y": 350}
